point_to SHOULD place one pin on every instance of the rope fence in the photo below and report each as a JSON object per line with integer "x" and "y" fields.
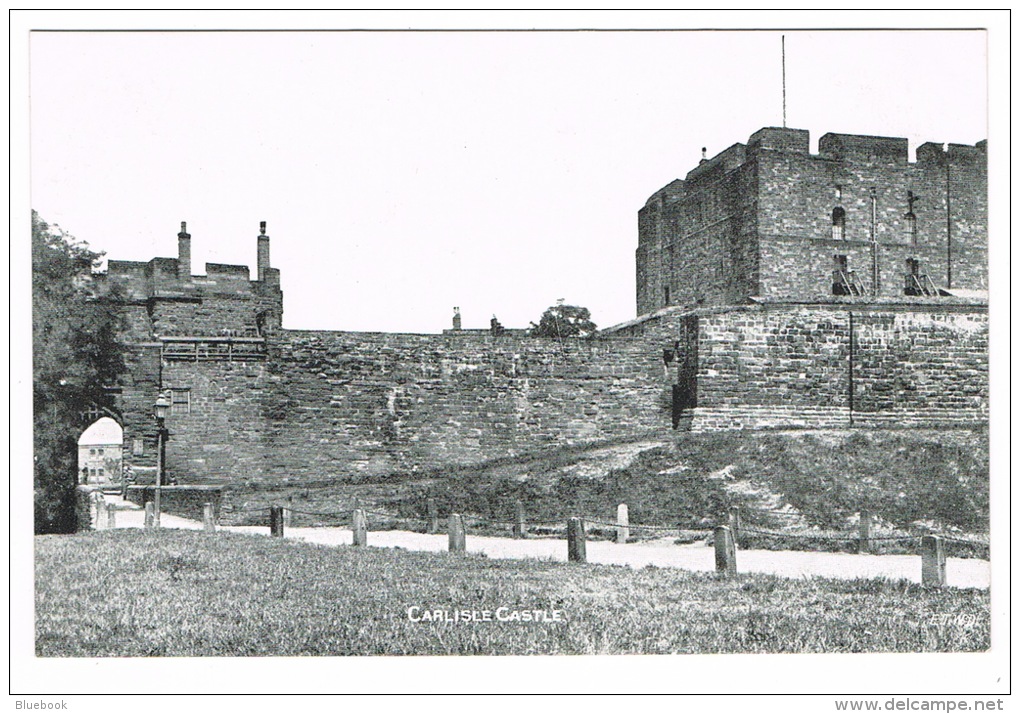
{"x": 725, "y": 536}
{"x": 736, "y": 518}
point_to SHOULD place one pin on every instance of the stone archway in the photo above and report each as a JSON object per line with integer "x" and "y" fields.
{"x": 101, "y": 454}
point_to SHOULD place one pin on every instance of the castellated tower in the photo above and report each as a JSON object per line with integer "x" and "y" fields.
{"x": 161, "y": 299}
{"x": 200, "y": 338}
{"x": 769, "y": 219}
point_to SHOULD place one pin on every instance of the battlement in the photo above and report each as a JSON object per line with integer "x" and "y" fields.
{"x": 779, "y": 139}
{"x": 719, "y": 164}
{"x": 853, "y": 146}
{"x": 176, "y": 302}
{"x": 833, "y": 146}
{"x": 174, "y": 274}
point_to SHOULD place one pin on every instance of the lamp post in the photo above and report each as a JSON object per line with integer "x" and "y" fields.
{"x": 161, "y": 410}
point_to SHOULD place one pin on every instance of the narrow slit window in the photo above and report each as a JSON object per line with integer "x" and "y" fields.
{"x": 838, "y": 223}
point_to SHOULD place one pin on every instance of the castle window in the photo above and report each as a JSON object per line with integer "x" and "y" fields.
{"x": 911, "y": 218}
{"x": 838, "y": 223}
{"x": 180, "y": 401}
{"x": 917, "y": 284}
{"x": 844, "y": 280}
{"x": 912, "y": 228}
{"x": 665, "y": 295}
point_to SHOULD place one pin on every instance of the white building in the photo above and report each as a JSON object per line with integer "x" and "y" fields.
{"x": 99, "y": 453}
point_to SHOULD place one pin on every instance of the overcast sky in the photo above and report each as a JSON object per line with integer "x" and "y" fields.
{"x": 402, "y": 174}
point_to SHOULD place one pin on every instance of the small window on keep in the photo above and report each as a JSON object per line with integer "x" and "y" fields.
{"x": 838, "y": 223}
{"x": 180, "y": 401}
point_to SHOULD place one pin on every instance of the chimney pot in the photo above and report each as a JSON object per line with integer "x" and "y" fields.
{"x": 184, "y": 253}
{"x": 263, "y": 251}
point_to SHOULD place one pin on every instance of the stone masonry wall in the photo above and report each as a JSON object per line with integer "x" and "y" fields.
{"x": 328, "y": 405}
{"x": 758, "y": 220}
{"x": 343, "y": 404}
{"x": 696, "y": 241}
{"x": 793, "y": 366}
{"x": 799, "y": 192}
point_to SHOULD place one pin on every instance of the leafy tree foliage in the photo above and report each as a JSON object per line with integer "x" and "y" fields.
{"x": 564, "y": 321}
{"x": 75, "y": 355}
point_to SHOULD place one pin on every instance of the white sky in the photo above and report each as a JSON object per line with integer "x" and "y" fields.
{"x": 404, "y": 173}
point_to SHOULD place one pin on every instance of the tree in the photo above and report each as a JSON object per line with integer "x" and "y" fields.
{"x": 75, "y": 355}
{"x": 564, "y": 321}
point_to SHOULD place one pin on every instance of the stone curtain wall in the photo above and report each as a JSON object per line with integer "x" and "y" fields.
{"x": 347, "y": 404}
{"x": 791, "y": 366}
{"x": 335, "y": 405}
{"x": 912, "y": 368}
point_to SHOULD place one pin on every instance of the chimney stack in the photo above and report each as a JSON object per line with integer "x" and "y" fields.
{"x": 263, "y": 251}
{"x": 184, "y": 253}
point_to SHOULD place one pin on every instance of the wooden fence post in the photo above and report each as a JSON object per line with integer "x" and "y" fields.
{"x": 359, "y": 527}
{"x": 735, "y": 524}
{"x": 458, "y": 540}
{"x": 576, "y": 541}
{"x": 520, "y": 529}
{"x": 111, "y": 516}
{"x": 725, "y": 551}
{"x": 276, "y": 521}
{"x": 864, "y": 543}
{"x": 150, "y": 515}
{"x": 208, "y": 518}
{"x": 433, "y": 516}
{"x": 622, "y": 523}
{"x": 933, "y": 562}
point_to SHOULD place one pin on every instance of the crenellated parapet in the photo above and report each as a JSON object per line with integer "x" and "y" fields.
{"x": 162, "y": 297}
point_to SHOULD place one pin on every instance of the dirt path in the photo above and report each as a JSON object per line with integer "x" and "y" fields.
{"x": 960, "y": 572}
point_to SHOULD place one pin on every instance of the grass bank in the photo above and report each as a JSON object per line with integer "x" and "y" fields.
{"x": 180, "y": 593}
{"x": 913, "y": 482}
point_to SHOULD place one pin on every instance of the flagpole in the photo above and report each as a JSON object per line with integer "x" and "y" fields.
{"x": 784, "y": 79}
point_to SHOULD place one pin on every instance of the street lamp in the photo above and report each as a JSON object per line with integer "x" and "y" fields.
{"x": 161, "y": 410}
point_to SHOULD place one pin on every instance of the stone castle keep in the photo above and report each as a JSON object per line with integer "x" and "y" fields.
{"x": 775, "y": 289}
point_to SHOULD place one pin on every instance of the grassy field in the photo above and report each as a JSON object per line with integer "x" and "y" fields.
{"x": 180, "y": 593}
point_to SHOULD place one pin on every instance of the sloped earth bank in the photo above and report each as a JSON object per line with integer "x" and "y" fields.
{"x": 913, "y": 480}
